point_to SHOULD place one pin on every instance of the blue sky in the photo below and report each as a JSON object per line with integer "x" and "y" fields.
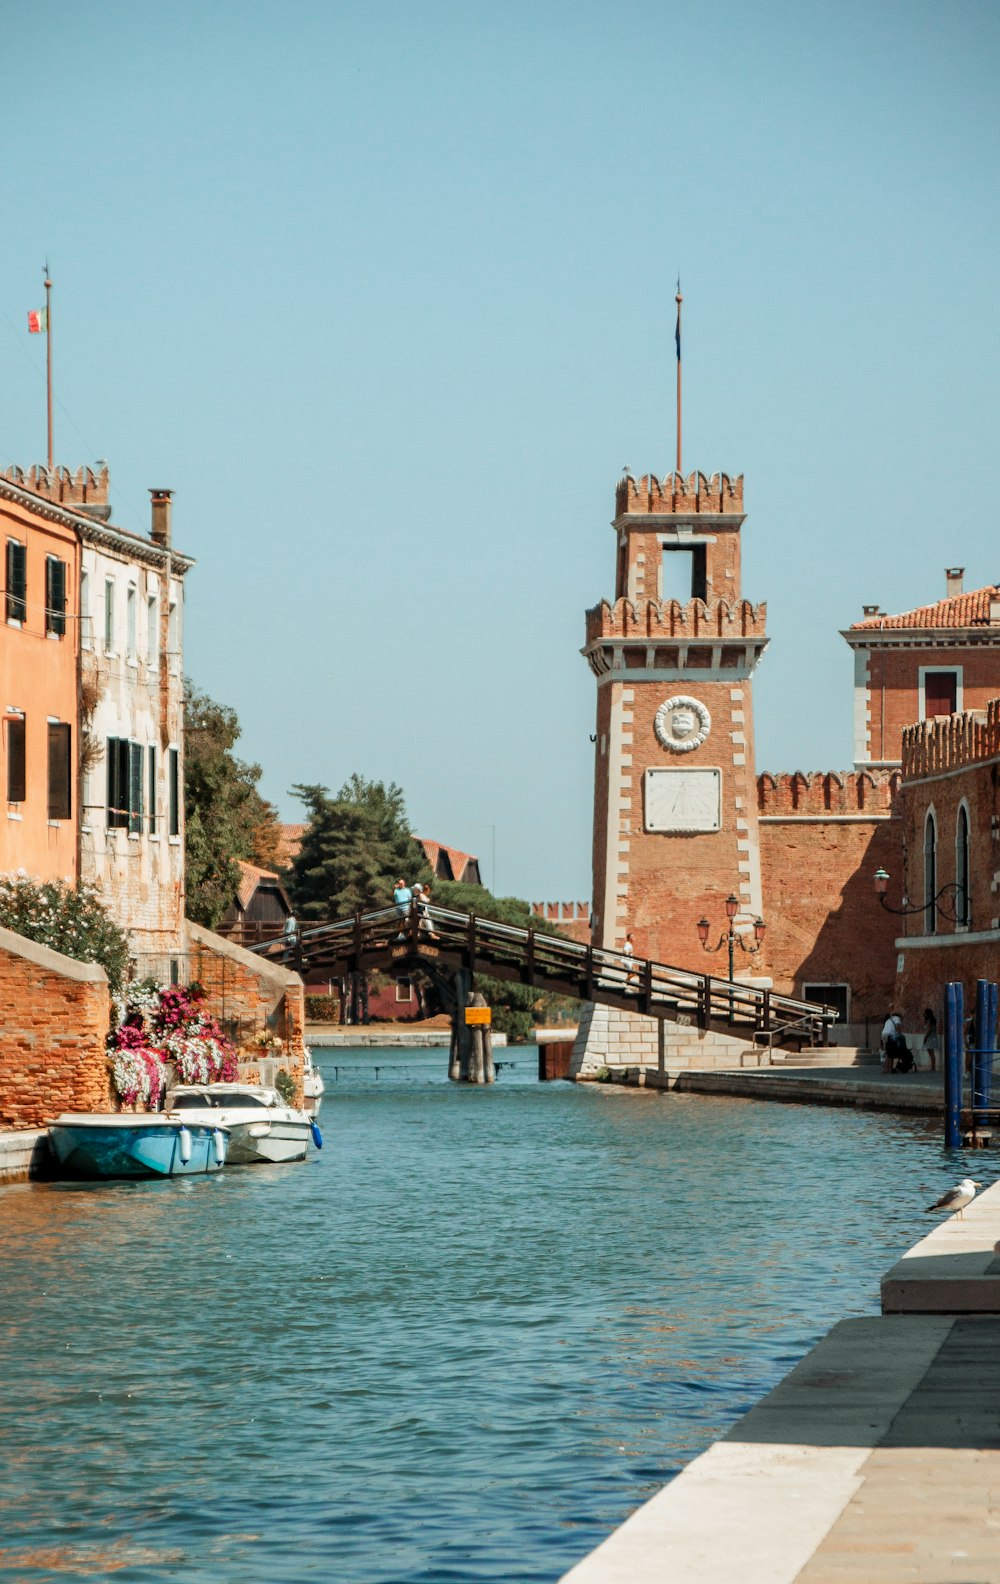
{"x": 385, "y": 293}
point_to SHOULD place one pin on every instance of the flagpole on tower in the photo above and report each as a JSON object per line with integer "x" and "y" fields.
{"x": 48, "y": 354}
{"x": 677, "y": 341}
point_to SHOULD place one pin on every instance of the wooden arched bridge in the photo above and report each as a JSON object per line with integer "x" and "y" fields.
{"x": 452, "y": 948}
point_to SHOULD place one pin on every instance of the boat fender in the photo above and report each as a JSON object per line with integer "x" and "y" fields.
{"x": 219, "y": 1146}
{"x": 184, "y": 1142}
{"x": 317, "y": 1135}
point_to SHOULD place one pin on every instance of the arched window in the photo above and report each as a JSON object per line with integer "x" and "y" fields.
{"x": 930, "y": 873}
{"x": 963, "y": 907}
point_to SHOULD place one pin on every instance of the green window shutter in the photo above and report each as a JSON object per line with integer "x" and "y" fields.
{"x": 17, "y": 581}
{"x": 135, "y": 788}
{"x": 152, "y": 789}
{"x": 55, "y": 596}
{"x": 60, "y": 786}
{"x": 16, "y": 761}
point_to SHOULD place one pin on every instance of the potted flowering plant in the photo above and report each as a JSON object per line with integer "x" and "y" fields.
{"x": 161, "y": 1025}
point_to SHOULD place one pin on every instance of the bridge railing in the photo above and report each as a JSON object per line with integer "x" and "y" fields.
{"x": 536, "y": 956}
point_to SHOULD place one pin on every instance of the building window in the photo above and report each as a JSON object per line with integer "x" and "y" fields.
{"x": 836, "y": 996}
{"x": 404, "y": 990}
{"x": 173, "y": 628}
{"x": 963, "y": 902}
{"x": 130, "y": 640}
{"x": 86, "y": 636}
{"x": 60, "y": 771}
{"x": 930, "y": 874}
{"x": 153, "y": 630}
{"x": 125, "y": 788}
{"x": 683, "y": 574}
{"x": 17, "y": 581}
{"x": 15, "y": 759}
{"x": 940, "y": 693}
{"x": 151, "y": 761}
{"x": 55, "y": 596}
{"x": 174, "y": 789}
{"x": 109, "y": 616}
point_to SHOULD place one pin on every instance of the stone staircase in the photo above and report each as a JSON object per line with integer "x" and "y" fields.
{"x": 826, "y": 1056}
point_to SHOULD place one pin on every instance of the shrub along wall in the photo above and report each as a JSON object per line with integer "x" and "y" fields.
{"x": 53, "y": 1035}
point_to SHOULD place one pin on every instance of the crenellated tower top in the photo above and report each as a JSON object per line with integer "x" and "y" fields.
{"x": 673, "y": 495}
{"x": 85, "y": 490}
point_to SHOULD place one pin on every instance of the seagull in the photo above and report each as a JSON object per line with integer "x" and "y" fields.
{"x": 956, "y": 1198}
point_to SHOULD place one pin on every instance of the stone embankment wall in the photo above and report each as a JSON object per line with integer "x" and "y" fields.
{"x": 53, "y": 1034}
{"x": 261, "y": 996}
{"x": 609, "y": 1037}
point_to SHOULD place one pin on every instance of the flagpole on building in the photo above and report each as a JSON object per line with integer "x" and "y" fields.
{"x": 677, "y": 339}
{"x": 48, "y": 355}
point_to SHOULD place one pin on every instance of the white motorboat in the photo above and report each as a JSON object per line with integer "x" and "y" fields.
{"x": 261, "y": 1126}
{"x": 312, "y": 1085}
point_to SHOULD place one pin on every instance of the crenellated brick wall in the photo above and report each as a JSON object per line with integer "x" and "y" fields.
{"x": 655, "y": 619}
{"x": 952, "y": 742}
{"x": 827, "y": 792}
{"x": 53, "y": 1035}
{"x": 61, "y": 485}
{"x": 697, "y": 493}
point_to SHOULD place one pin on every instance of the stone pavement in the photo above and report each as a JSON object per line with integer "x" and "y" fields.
{"x": 876, "y": 1461}
{"x": 865, "y": 1087}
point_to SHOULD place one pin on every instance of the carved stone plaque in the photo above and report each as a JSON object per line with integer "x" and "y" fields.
{"x": 683, "y": 800}
{"x": 682, "y": 723}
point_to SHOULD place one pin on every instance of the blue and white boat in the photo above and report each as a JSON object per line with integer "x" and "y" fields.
{"x": 106, "y": 1145}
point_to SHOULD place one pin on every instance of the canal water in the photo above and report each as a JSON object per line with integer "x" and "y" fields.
{"x": 461, "y": 1343}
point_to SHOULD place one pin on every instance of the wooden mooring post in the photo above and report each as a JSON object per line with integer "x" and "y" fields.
{"x": 471, "y": 1057}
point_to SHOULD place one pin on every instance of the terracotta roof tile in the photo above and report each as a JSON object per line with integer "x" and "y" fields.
{"x": 459, "y": 860}
{"x": 250, "y": 878}
{"x": 959, "y": 610}
{"x": 289, "y": 842}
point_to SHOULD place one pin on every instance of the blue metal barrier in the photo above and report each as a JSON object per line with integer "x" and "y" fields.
{"x": 954, "y": 1044}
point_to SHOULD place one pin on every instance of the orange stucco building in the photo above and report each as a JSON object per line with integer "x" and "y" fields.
{"x": 39, "y": 646}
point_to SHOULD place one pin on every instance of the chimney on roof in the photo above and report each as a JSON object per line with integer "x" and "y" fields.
{"x": 953, "y": 580}
{"x": 160, "y": 530}
{"x": 870, "y": 610}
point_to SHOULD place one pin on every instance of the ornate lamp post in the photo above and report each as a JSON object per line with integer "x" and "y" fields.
{"x": 952, "y": 890}
{"x": 732, "y": 937}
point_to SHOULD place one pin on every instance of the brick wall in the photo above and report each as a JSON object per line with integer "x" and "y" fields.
{"x": 53, "y": 1036}
{"x": 242, "y": 987}
{"x": 894, "y": 695}
{"x": 949, "y": 764}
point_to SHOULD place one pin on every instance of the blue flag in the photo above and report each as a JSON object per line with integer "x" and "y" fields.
{"x": 677, "y": 333}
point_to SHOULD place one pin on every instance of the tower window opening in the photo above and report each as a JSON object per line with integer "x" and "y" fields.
{"x": 683, "y": 574}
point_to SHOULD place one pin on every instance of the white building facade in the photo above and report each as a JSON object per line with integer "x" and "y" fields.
{"x": 131, "y": 722}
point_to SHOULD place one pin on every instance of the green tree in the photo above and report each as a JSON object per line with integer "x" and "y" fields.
{"x": 355, "y": 847}
{"x": 226, "y": 818}
{"x": 72, "y": 921}
{"x": 517, "y": 1009}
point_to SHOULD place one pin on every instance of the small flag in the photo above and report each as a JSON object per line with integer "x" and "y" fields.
{"x": 38, "y": 321}
{"x": 677, "y": 327}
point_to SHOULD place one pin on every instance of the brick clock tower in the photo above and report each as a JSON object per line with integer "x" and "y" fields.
{"x": 675, "y": 797}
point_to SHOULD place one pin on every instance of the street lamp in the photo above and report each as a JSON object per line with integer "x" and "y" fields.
{"x": 952, "y": 890}
{"x": 732, "y": 937}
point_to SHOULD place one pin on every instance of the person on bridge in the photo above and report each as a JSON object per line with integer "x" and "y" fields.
{"x": 402, "y": 897}
{"x": 421, "y": 901}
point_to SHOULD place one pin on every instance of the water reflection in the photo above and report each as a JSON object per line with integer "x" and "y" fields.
{"x": 461, "y": 1343}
